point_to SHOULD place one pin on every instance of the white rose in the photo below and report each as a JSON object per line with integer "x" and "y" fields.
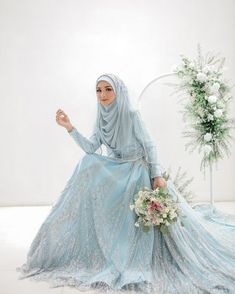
{"x": 207, "y": 149}
{"x": 164, "y": 215}
{"x": 214, "y": 88}
{"x": 207, "y": 137}
{"x": 201, "y": 77}
{"x": 218, "y": 113}
{"x": 212, "y": 99}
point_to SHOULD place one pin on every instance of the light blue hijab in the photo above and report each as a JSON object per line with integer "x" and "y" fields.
{"x": 114, "y": 121}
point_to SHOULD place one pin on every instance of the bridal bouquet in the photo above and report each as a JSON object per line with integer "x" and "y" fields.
{"x": 154, "y": 207}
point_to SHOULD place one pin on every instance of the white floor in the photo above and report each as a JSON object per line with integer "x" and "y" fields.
{"x": 18, "y": 226}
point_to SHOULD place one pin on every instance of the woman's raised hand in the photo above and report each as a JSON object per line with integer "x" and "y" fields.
{"x": 63, "y": 120}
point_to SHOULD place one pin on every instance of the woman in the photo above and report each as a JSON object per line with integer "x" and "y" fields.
{"x": 89, "y": 239}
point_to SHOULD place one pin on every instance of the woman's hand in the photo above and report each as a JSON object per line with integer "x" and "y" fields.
{"x": 63, "y": 120}
{"x": 158, "y": 182}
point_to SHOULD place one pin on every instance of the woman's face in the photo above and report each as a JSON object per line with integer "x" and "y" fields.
{"x": 105, "y": 93}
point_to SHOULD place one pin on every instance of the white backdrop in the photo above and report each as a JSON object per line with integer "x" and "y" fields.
{"x": 52, "y": 51}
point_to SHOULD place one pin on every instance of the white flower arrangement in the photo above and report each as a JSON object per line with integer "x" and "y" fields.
{"x": 155, "y": 208}
{"x": 206, "y": 109}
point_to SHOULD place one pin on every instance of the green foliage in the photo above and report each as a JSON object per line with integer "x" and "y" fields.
{"x": 207, "y": 96}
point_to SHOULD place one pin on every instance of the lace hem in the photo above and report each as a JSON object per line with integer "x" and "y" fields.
{"x": 62, "y": 278}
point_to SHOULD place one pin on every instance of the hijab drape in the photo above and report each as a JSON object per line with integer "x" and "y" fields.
{"x": 114, "y": 121}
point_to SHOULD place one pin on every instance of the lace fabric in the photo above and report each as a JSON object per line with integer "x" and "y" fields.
{"x": 89, "y": 240}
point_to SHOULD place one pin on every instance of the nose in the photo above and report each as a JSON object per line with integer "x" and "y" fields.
{"x": 102, "y": 95}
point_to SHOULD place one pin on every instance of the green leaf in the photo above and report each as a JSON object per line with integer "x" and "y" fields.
{"x": 145, "y": 228}
{"x": 164, "y": 229}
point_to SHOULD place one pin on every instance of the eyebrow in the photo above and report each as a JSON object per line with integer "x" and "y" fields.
{"x": 105, "y": 87}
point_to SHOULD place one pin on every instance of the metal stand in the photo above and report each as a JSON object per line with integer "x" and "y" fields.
{"x": 154, "y": 80}
{"x": 211, "y": 186}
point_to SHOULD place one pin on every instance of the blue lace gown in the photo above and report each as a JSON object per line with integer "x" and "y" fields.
{"x": 89, "y": 240}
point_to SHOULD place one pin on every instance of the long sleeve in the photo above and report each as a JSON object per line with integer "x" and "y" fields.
{"x": 88, "y": 145}
{"x": 143, "y": 136}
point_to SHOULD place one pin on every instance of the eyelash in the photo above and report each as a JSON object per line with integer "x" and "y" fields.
{"x": 109, "y": 89}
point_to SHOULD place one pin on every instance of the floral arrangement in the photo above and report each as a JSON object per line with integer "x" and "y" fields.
{"x": 207, "y": 96}
{"x": 155, "y": 208}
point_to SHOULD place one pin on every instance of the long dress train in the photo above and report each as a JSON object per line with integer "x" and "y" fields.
{"x": 89, "y": 240}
